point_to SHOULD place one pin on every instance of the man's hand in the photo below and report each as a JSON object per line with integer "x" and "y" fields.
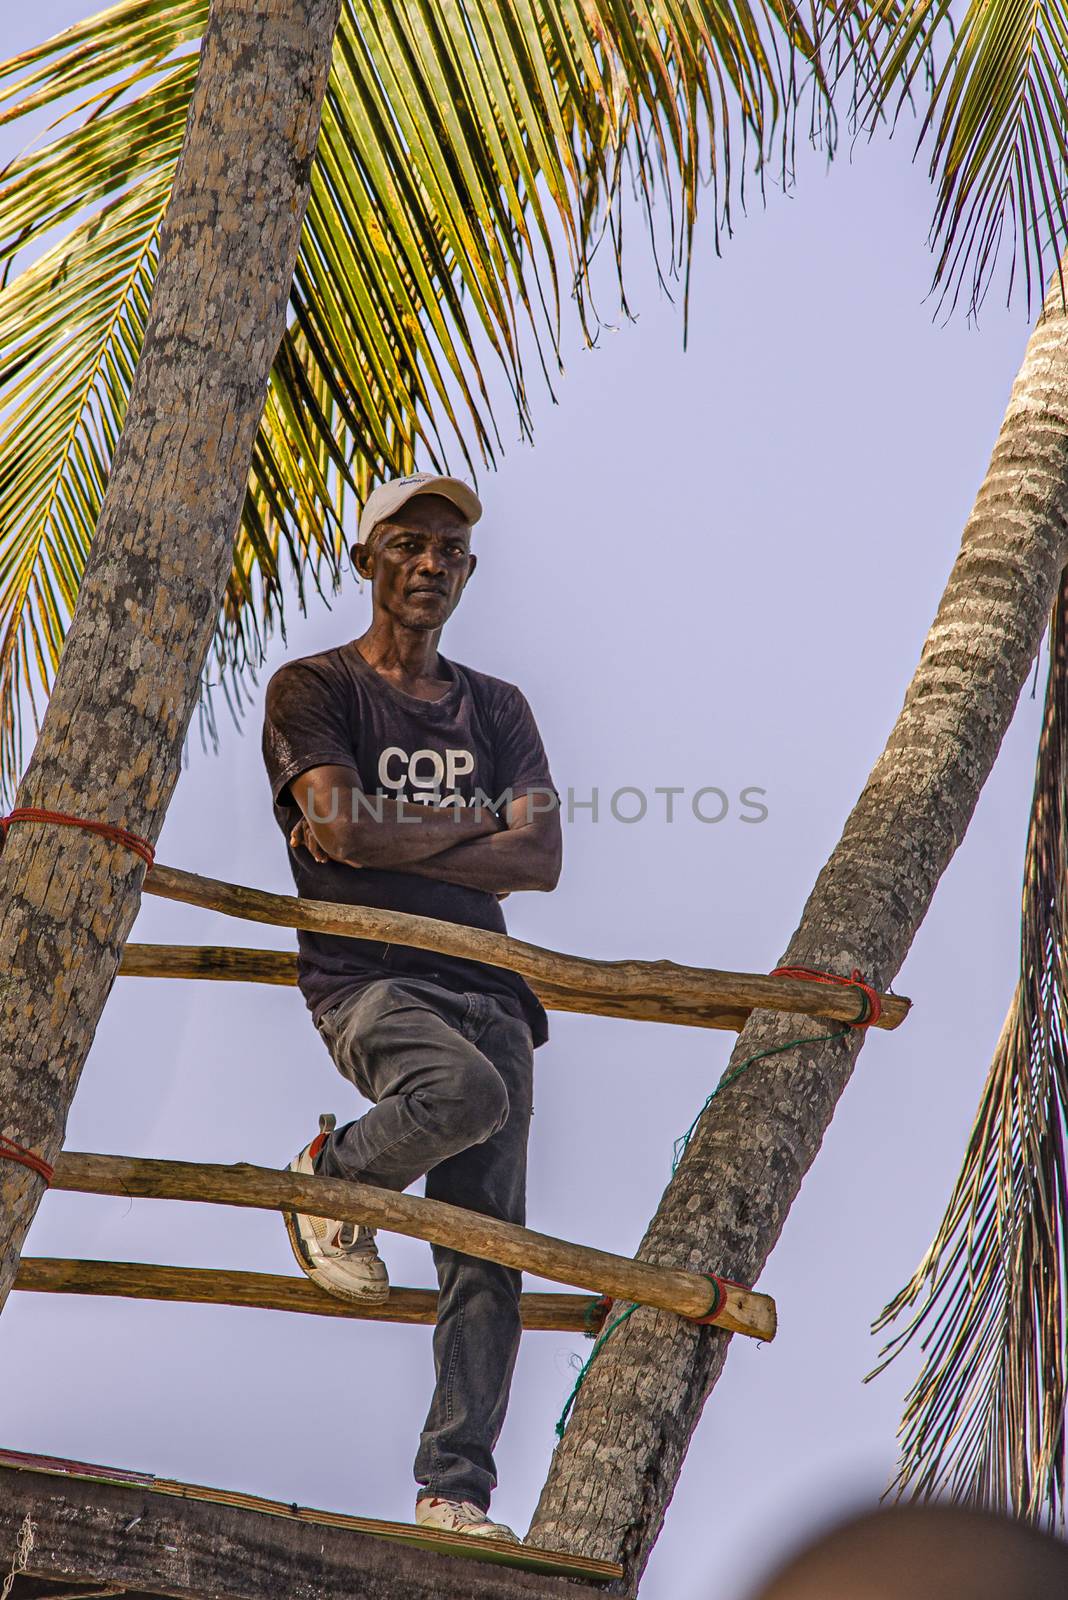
{"x": 525, "y": 854}
{"x": 302, "y": 836}
{"x": 466, "y": 845}
{"x": 378, "y": 831}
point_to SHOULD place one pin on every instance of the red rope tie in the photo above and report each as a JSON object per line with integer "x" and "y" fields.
{"x": 721, "y": 1285}
{"x": 10, "y": 1151}
{"x": 594, "y": 1315}
{"x": 873, "y": 1006}
{"x": 106, "y": 830}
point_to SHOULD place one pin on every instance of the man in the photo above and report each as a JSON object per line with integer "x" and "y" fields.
{"x": 405, "y": 781}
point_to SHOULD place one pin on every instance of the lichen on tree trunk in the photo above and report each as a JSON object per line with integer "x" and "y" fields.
{"x": 110, "y": 746}
{"x": 616, "y": 1467}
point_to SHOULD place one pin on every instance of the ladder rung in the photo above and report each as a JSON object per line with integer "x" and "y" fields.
{"x": 688, "y": 1294}
{"x": 268, "y": 1291}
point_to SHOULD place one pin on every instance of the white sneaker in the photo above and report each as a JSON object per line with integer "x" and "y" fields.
{"x": 340, "y": 1257}
{"x": 460, "y": 1516}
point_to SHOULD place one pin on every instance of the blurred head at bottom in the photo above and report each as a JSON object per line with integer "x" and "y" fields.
{"x": 933, "y": 1552}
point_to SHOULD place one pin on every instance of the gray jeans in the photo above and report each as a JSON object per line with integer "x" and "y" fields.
{"x": 451, "y": 1076}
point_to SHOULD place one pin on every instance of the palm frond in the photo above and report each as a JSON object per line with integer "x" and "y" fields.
{"x": 71, "y": 328}
{"x": 984, "y": 1421}
{"x": 997, "y": 128}
{"x": 72, "y": 321}
{"x": 472, "y": 159}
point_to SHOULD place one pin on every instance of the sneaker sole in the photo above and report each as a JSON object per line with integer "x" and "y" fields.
{"x": 500, "y": 1535}
{"x": 374, "y": 1297}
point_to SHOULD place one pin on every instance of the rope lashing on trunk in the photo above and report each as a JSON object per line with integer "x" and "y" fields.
{"x": 721, "y": 1285}
{"x": 583, "y": 1372}
{"x": 682, "y": 1143}
{"x": 106, "y": 830}
{"x": 873, "y": 1006}
{"x": 595, "y": 1313}
{"x": 599, "y": 1306}
{"x": 10, "y": 1151}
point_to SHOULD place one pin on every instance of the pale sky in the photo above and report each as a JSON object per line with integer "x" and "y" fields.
{"x": 712, "y": 568}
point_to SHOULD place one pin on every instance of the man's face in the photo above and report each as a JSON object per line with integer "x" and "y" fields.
{"x": 418, "y": 562}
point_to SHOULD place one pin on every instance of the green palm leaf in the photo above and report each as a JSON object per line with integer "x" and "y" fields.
{"x": 472, "y": 159}
{"x": 997, "y": 127}
{"x": 985, "y": 1419}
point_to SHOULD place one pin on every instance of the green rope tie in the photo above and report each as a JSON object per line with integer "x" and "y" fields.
{"x": 681, "y": 1146}
{"x": 586, "y": 1365}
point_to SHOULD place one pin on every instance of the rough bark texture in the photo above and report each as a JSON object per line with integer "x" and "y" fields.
{"x": 110, "y": 747}
{"x": 615, "y": 1470}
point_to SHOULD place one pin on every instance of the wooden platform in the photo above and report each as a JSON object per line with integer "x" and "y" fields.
{"x": 102, "y": 1529}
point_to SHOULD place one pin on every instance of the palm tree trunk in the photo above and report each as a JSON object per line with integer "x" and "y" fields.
{"x": 110, "y": 747}
{"x": 616, "y": 1468}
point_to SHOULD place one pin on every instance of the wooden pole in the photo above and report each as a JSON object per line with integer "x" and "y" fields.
{"x": 266, "y": 1291}
{"x": 688, "y": 1294}
{"x": 630, "y": 988}
{"x": 110, "y": 744}
{"x": 220, "y": 963}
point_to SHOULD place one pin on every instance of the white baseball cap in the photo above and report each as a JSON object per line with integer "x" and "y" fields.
{"x": 389, "y": 497}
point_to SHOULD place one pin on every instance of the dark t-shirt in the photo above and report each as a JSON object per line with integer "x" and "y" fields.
{"x": 480, "y": 738}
